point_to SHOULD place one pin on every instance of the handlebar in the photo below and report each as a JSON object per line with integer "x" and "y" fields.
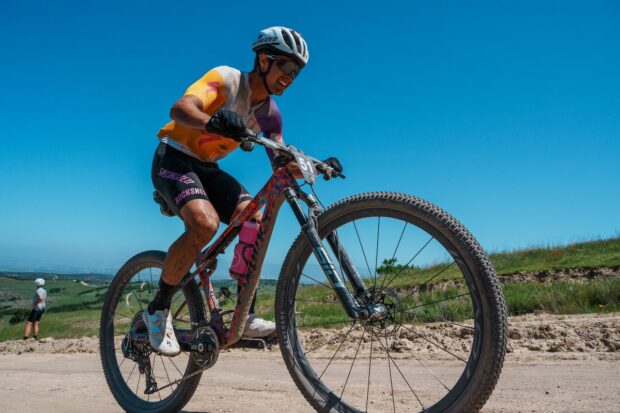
{"x": 289, "y": 152}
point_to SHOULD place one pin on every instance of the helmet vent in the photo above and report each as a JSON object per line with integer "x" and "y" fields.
{"x": 297, "y": 41}
{"x": 287, "y": 39}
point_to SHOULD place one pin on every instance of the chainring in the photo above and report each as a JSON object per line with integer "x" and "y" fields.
{"x": 205, "y": 347}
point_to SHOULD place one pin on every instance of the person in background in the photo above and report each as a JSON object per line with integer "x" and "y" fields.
{"x": 38, "y": 308}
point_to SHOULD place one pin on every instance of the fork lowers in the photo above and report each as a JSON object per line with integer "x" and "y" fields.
{"x": 309, "y": 228}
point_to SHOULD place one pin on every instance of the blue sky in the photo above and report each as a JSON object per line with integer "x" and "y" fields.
{"x": 506, "y": 114}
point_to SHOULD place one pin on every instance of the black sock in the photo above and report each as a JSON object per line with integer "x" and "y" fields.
{"x": 252, "y": 310}
{"x": 163, "y": 297}
{"x": 25, "y": 337}
{"x": 35, "y": 337}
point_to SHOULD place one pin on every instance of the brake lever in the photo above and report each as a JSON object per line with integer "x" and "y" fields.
{"x": 329, "y": 172}
{"x": 336, "y": 175}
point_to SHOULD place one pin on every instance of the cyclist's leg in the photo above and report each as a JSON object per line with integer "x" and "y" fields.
{"x": 255, "y": 327}
{"x": 230, "y": 198}
{"x": 201, "y": 224}
{"x": 35, "y": 331}
{"x": 180, "y": 180}
{"x": 257, "y": 217}
{"x": 27, "y": 328}
{"x": 253, "y": 305}
{"x": 175, "y": 177}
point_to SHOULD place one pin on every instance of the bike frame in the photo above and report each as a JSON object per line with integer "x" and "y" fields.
{"x": 280, "y": 187}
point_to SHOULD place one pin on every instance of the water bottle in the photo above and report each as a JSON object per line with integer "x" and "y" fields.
{"x": 243, "y": 250}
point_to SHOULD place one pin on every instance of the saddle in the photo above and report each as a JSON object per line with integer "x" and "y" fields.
{"x": 164, "y": 208}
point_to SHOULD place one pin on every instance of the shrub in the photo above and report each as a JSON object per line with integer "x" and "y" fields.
{"x": 19, "y": 316}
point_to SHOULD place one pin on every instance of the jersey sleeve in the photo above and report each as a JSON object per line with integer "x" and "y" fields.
{"x": 210, "y": 89}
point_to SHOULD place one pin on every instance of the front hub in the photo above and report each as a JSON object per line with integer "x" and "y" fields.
{"x": 384, "y": 311}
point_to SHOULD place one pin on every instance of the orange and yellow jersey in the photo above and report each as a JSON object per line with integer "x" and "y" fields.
{"x": 223, "y": 87}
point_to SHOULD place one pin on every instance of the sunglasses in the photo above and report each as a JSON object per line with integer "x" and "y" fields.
{"x": 286, "y": 66}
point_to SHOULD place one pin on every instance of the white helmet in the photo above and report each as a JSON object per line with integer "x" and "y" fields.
{"x": 39, "y": 282}
{"x": 284, "y": 41}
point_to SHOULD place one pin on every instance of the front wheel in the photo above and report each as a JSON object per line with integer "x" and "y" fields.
{"x": 441, "y": 343}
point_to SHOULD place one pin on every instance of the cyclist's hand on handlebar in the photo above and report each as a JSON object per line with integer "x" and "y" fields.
{"x": 228, "y": 124}
{"x": 333, "y": 163}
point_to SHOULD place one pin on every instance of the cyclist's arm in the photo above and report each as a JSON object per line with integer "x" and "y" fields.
{"x": 38, "y": 297}
{"x": 189, "y": 112}
{"x": 199, "y": 101}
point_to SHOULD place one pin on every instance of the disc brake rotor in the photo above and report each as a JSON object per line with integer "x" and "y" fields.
{"x": 389, "y": 324}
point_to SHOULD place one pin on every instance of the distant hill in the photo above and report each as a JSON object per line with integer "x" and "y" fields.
{"x": 90, "y": 278}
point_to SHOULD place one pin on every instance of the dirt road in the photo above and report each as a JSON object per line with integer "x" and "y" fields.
{"x": 74, "y": 382}
{"x": 554, "y": 364}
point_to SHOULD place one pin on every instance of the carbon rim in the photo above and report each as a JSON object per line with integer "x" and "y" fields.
{"x": 395, "y": 346}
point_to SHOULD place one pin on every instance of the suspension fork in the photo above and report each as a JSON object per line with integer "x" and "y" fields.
{"x": 308, "y": 226}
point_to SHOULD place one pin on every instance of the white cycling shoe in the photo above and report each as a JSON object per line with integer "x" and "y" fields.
{"x": 161, "y": 333}
{"x": 256, "y": 327}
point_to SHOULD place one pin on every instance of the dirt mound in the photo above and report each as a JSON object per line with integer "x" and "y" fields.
{"x": 574, "y": 333}
{"x": 597, "y": 335}
{"x": 51, "y": 345}
{"x": 543, "y": 333}
{"x": 563, "y": 274}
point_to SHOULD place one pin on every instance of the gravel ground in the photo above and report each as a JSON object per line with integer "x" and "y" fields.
{"x": 554, "y": 364}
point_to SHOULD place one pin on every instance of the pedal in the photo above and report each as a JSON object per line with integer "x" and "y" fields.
{"x": 257, "y": 343}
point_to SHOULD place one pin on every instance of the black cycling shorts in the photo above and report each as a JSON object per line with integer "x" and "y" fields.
{"x": 180, "y": 178}
{"x": 35, "y": 315}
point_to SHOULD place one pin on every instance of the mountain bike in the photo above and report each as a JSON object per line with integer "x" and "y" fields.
{"x": 384, "y": 302}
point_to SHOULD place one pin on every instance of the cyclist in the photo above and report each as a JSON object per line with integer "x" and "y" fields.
{"x": 38, "y": 308}
{"x": 207, "y": 124}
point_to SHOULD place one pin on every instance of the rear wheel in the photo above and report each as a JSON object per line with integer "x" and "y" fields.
{"x": 440, "y": 345}
{"x": 125, "y": 363}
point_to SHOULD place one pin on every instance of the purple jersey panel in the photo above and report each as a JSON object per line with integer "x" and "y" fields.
{"x": 270, "y": 123}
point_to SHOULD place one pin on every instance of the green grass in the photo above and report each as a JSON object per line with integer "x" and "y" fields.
{"x": 567, "y": 297}
{"x": 73, "y": 309}
{"x": 58, "y": 325}
{"x": 558, "y": 298}
{"x": 564, "y": 297}
{"x": 586, "y": 254}
{"x": 601, "y": 253}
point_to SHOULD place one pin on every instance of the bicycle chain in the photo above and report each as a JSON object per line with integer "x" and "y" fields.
{"x": 189, "y": 376}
